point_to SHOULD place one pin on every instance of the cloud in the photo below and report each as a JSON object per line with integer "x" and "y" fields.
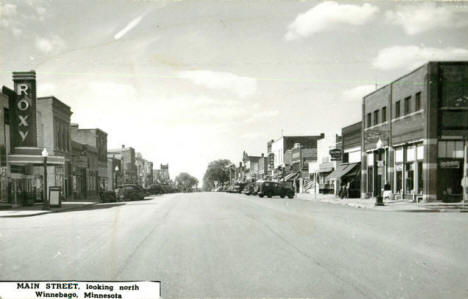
{"x": 261, "y": 115}
{"x": 8, "y": 14}
{"x": 355, "y": 94}
{"x": 410, "y": 57}
{"x": 328, "y": 15}
{"x": 420, "y": 18}
{"x": 109, "y": 90}
{"x": 241, "y": 86}
{"x": 51, "y": 44}
{"x": 251, "y": 135}
{"x": 132, "y": 24}
{"x": 47, "y": 89}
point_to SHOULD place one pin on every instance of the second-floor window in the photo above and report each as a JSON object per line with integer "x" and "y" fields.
{"x": 397, "y": 109}
{"x": 417, "y": 104}
{"x": 407, "y": 105}
{"x": 369, "y": 119}
{"x": 376, "y": 117}
{"x": 384, "y": 114}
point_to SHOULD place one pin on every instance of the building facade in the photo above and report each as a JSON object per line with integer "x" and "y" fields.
{"x": 347, "y": 173}
{"x": 129, "y": 169}
{"x": 31, "y": 125}
{"x": 96, "y": 139}
{"x": 324, "y": 165}
{"x": 415, "y": 133}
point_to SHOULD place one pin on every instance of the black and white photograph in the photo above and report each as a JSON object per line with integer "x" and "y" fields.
{"x": 233, "y": 149}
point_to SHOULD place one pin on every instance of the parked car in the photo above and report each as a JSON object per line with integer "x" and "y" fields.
{"x": 249, "y": 189}
{"x": 108, "y": 196}
{"x": 129, "y": 192}
{"x": 271, "y": 189}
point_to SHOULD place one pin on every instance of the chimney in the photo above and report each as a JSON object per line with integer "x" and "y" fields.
{"x": 123, "y": 146}
{"x": 263, "y": 155}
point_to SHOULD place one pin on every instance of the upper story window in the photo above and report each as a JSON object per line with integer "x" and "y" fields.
{"x": 384, "y": 114}
{"x": 6, "y": 113}
{"x": 397, "y": 109}
{"x": 376, "y": 117}
{"x": 407, "y": 105}
{"x": 369, "y": 119}
{"x": 417, "y": 104}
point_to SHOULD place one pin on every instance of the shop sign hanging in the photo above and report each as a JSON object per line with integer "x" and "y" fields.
{"x": 449, "y": 164}
{"x": 24, "y": 108}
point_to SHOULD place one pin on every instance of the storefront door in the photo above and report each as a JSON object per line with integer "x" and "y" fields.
{"x": 449, "y": 178}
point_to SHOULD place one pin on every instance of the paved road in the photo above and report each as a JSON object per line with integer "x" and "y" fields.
{"x": 231, "y": 245}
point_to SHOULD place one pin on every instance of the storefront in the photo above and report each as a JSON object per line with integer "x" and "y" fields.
{"x": 26, "y": 183}
{"x": 347, "y": 175}
{"x": 450, "y": 169}
{"x": 408, "y": 170}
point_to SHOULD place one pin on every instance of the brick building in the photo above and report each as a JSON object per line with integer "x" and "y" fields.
{"x": 127, "y": 156}
{"x": 348, "y": 165}
{"x": 30, "y": 125}
{"x": 415, "y": 133}
{"x": 96, "y": 139}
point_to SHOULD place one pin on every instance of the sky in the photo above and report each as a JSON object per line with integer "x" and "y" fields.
{"x": 188, "y": 82}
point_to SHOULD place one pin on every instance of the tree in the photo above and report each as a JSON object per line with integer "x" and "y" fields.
{"x": 185, "y": 182}
{"x": 217, "y": 171}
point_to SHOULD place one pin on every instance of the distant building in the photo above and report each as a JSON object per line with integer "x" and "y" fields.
{"x": 250, "y": 167}
{"x": 144, "y": 170}
{"x": 347, "y": 173}
{"x": 164, "y": 173}
{"x": 114, "y": 174}
{"x": 129, "y": 169}
{"x": 324, "y": 164}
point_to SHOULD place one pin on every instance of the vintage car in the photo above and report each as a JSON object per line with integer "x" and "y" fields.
{"x": 270, "y": 189}
{"x": 249, "y": 189}
{"x": 129, "y": 192}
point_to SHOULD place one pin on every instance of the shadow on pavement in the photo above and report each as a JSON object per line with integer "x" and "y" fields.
{"x": 88, "y": 207}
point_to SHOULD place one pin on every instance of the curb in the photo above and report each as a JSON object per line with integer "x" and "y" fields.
{"x": 420, "y": 209}
{"x": 44, "y": 212}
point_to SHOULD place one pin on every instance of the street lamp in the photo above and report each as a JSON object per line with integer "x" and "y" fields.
{"x": 115, "y": 180}
{"x": 45, "y": 154}
{"x": 379, "y": 198}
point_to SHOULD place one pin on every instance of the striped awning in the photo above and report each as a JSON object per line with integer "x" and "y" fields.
{"x": 291, "y": 176}
{"x": 308, "y": 185}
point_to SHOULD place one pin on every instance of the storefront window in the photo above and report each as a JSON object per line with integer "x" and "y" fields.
{"x": 451, "y": 149}
{"x": 399, "y": 155}
{"x": 370, "y": 179}
{"x": 399, "y": 178}
{"x": 420, "y": 178}
{"x": 409, "y": 175}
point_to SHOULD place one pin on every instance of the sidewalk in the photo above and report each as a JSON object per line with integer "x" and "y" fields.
{"x": 36, "y": 209}
{"x": 389, "y": 205}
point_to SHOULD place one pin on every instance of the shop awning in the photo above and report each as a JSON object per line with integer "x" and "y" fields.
{"x": 341, "y": 170}
{"x": 35, "y": 159}
{"x": 326, "y": 169}
{"x": 291, "y": 176}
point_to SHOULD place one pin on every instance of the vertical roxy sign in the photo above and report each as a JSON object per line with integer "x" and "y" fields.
{"x": 24, "y": 108}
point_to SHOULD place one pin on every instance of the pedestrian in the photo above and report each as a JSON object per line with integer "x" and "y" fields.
{"x": 348, "y": 185}
{"x": 342, "y": 191}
